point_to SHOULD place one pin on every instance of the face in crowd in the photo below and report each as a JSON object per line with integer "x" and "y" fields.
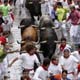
{"x": 66, "y": 53}
{"x": 33, "y": 51}
{"x": 64, "y": 74}
{"x": 5, "y": 3}
{"x": 56, "y": 61}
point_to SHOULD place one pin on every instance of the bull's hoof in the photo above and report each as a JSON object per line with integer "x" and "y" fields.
{"x": 21, "y": 26}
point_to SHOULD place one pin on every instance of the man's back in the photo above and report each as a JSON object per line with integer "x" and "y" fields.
{"x": 74, "y": 16}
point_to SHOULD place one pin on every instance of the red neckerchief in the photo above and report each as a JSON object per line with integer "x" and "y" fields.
{"x": 0, "y": 2}
{"x": 44, "y": 68}
{"x": 53, "y": 63}
{"x": 12, "y": 16}
{"x": 79, "y": 52}
{"x": 62, "y": 47}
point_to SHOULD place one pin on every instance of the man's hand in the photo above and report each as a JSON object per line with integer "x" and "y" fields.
{"x": 6, "y": 21}
{"x": 9, "y": 65}
{"x": 79, "y": 22}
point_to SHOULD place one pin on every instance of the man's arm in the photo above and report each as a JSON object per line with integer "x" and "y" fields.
{"x": 36, "y": 75}
{"x": 62, "y": 63}
{"x": 69, "y": 17}
{"x": 13, "y": 51}
{"x": 78, "y": 15}
{"x": 37, "y": 61}
{"x": 13, "y": 62}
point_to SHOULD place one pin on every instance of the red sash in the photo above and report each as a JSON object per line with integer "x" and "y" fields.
{"x": 44, "y": 68}
{"x": 62, "y": 47}
{"x": 12, "y": 16}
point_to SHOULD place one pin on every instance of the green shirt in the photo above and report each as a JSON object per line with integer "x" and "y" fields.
{"x": 60, "y": 13}
{"x": 4, "y": 9}
{"x": 2, "y": 53}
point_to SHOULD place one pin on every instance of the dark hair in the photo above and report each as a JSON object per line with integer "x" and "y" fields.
{"x": 5, "y": 1}
{"x": 63, "y": 39}
{"x": 54, "y": 57}
{"x": 59, "y": 4}
{"x": 10, "y": 1}
{"x": 1, "y": 12}
{"x": 29, "y": 47}
{"x": 25, "y": 71}
{"x": 46, "y": 61}
{"x": 72, "y": 7}
{"x": 5, "y": 77}
{"x": 78, "y": 46}
{"x": 64, "y": 71}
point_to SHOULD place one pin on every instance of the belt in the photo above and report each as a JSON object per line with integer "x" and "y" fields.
{"x": 29, "y": 70}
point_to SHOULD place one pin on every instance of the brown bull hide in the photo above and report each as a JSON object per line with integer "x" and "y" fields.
{"x": 23, "y": 45}
{"x": 30, "y": 33}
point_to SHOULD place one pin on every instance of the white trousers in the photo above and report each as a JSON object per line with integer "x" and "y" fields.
{"x": 15, "y": 73}
{"x": 73, "y": 34}
{"x": 73, "y": 30}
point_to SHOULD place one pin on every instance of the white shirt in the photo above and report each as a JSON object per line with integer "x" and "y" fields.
{"x": 68, "y": 63}
{"x": 78, "y": 76}
{"x": 59, "y": 52}
{"x": 28, "y": 60}
{"x": 40, "y": 74}
{"x": 11, "y": 56}
{"x": 55, "y": 69}
{"x": 65, "y": 4}
{"x": 76, "y": 54}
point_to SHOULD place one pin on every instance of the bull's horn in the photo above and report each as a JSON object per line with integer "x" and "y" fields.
{"x": 13, "y": 51}
{"x": 21, "y": 26}
{"x": 30, "y": 2}
{"x": 18, "y": 42}
{"x": 39, "y": 51}
{"x": 23, "y": 51}
{"x": 34, "y": 42}
{"x": 34, "y": 26}
{"x": 43, "y": 42}
{"x": 54, "y": 28}
{"x": 22, "y": 42}
{"x": 43, "y": 28}
{"x": 40, "y": 2}
{"x": 57, "y": 42}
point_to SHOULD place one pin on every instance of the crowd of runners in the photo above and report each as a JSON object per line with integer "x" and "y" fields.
{"x": 64, "y": 64}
